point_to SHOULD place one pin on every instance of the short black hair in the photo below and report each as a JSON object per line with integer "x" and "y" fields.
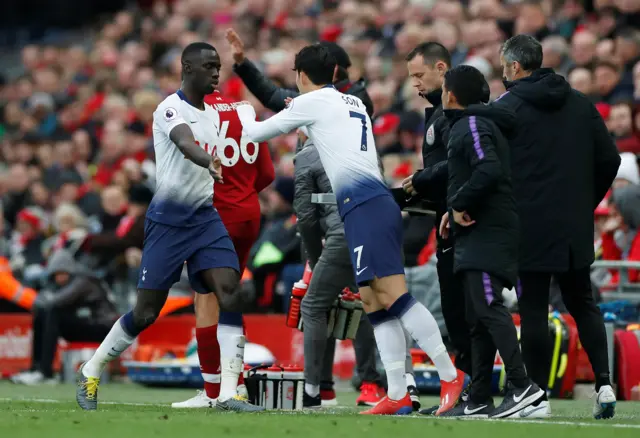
{"x": 195, "y": 48}
{"x": 524, "y": 49}
{"x": 341, "y": 55}
{"x": 467, "y": 84}
{"x": 431, "y": 52}
{"x": 317, "y": 63}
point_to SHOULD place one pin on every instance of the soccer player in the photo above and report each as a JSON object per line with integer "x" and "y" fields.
{"x": 182, "y": 225}
{"x": 249, "y": 169}
{"x": 340, "y": 128}
{"x": 485, "y": 225}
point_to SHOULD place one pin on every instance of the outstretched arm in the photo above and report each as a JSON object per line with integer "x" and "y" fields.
{"x": 293, "y": 116}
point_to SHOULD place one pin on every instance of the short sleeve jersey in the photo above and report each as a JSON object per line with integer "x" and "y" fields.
{"x": 340, "y": 128}
{"x": 184, "y": 190}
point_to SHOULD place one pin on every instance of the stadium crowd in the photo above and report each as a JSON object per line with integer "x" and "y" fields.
{"x": 75, "y": 124}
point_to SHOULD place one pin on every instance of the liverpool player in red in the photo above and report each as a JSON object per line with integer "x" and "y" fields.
{"x": 249, "y": 169}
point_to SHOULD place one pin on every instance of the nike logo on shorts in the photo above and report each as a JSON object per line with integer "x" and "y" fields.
{"x": 358, "y": 272}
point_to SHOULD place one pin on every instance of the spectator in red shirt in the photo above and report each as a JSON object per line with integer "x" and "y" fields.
{"x": 621, "y": 126}
{"x": 621, "y": 240}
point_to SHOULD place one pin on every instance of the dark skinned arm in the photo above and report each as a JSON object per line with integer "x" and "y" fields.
{"x": 183, "y": 138}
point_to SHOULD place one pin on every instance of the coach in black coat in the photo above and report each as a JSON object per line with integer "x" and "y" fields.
{"x": 563, "y": 162}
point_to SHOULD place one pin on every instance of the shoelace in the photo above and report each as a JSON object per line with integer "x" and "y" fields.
{"x": 91, "y": 387}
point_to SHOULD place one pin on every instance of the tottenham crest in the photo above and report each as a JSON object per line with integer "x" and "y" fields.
{"x": 170, "y": 114}
{"x": 431, "y": 135}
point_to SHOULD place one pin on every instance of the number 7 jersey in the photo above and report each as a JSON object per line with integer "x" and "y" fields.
{"x": 247, "y": 165}
{"x": 340, "y": 129}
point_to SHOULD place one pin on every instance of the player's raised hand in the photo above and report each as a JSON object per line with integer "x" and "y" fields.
{"x": 237, "y": 46}
{"x": 215, "y": 169}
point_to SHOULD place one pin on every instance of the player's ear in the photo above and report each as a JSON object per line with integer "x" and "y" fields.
{"x": 441, "y": 67}
{"x": 335, "y": 73}
{"x": 186, "y": 67}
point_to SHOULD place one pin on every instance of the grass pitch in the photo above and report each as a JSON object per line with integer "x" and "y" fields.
{"x": 128, "y": 410}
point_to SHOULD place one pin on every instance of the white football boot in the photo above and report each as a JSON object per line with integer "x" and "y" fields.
{"x": 200, "y": 400}
{"x": 604, "y": 406}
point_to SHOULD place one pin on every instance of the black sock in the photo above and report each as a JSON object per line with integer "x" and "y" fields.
{"x": 602, "y": 380}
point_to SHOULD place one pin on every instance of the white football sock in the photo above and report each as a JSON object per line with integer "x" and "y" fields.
{"x": 423, "y": 327}
{"x": 312, "y": 390}
{"x": 391, "y": 345}
{"x": 231, "y": 340}
{"x": 111, "y": 348}
{"x": 410, "y": 380}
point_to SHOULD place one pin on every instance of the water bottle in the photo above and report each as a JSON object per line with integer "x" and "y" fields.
{"x": 297, "y": 294}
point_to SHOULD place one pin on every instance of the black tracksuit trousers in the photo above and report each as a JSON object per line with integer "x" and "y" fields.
{"x": 492, "y": 329}
{"x": 533, "y": 302}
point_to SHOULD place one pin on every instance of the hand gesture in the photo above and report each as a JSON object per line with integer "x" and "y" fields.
{"x": 215, "y": 169}
{"x": 237, "y": 46}
{"x": 445, "y": 226}
{"x": 462, "y": 218}
{"x": 407, "y": 186}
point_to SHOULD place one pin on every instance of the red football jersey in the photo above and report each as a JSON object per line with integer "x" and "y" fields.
{"x": 247, "y": 166}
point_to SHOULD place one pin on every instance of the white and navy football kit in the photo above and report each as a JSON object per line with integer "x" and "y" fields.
{"x": 340, "y": 129}
{"x": 181, "y": 223}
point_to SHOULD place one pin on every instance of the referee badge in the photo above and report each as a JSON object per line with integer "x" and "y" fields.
{"x": 170, "y": 114}
{"x": 431, "y": 135}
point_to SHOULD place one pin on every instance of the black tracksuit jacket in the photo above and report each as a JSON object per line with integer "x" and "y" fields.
{"x": 480, "y": 184}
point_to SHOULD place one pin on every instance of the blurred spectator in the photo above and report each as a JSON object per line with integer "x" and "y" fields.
{"x": 75, "y": 307}
{"x": 621, "y": 126}
{"x": 628, "y": 172}
{"x": 620, "y": 239}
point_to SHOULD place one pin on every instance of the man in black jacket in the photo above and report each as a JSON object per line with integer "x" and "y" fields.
{"x": 76, "y": 308}
{"x": 483, "y": 218}
{"x": 427, "y": 64}
{"x": 273, "y": 97}
{"x": 563, "y": 162}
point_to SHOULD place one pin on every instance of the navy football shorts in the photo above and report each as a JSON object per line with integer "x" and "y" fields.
{"x": 374, "y": 235}
{"x": 167, "y": 248}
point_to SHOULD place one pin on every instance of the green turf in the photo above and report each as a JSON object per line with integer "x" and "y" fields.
{"x": 137, "y": 412}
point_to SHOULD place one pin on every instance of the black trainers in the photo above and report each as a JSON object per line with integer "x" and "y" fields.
{"x": 415, "y": 397}
{"x": 470, "y": 409}
{"x": 309, "y": 402}
{"x": 517, "y": 399}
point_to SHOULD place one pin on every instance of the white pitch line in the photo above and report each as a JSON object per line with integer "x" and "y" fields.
{"x": 328, "y": 410}
{"x": 602, "y": 423}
